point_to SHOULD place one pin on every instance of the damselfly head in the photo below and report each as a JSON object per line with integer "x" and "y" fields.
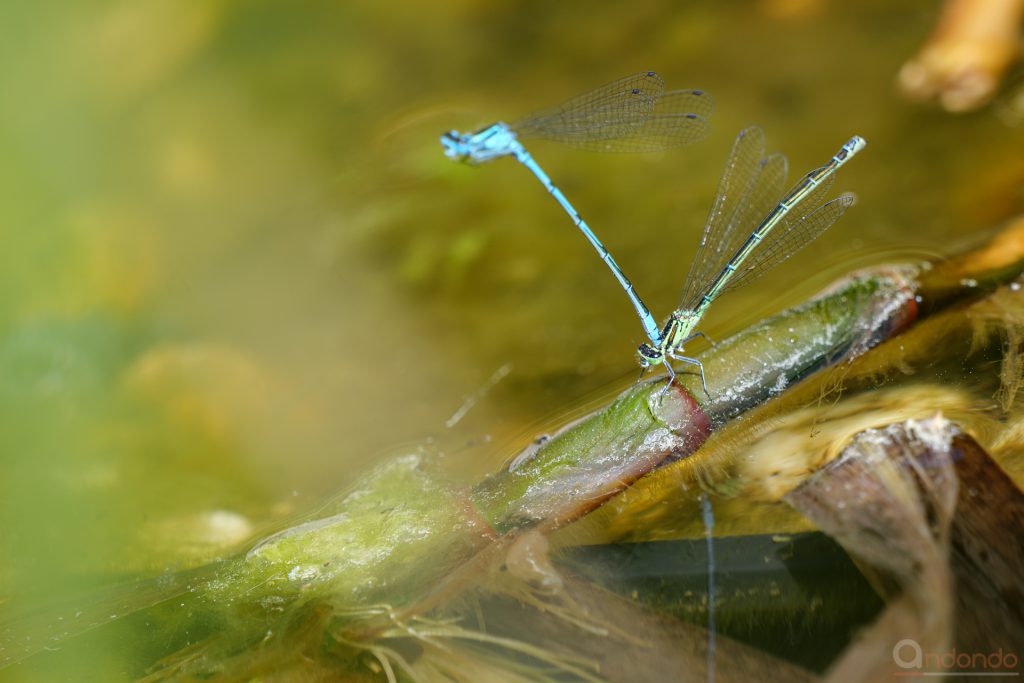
{"x": 454, "y": 146}
{"x": 647, "y": 355}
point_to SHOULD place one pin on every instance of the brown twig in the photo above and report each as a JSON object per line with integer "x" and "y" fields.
{"x": 964, "y": 59}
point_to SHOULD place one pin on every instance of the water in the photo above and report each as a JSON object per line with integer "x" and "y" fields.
{"x": 236, "y": 272}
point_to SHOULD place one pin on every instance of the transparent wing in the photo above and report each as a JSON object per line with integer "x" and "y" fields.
{"x": 762, "y": 198}
{"x": 722, "y": 233}
{"x": 786, "y": 240}
{"x": 812, "y": 199}
{"x": 633, "y": 114}
{"x": 690, "y": 101}
{"x": 611, "y": 111}
{"x": 679, "y": 118}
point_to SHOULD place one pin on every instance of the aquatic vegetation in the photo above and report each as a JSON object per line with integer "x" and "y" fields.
{"x": 394, "y": 560}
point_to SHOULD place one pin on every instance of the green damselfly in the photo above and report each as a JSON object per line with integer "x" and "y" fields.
{"x": 730, "y": 254}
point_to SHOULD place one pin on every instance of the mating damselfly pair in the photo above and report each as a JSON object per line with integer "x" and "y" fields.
{"x": 752, "y": 225}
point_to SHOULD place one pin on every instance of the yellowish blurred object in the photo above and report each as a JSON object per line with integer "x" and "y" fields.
{"x": 185, "y": 167}
{"x": 195, "y": 538}
{"x": 218, "y": 389}
{"x": 964, "y": 60}
{"x": 136, "y": 44}
{"x": 122, "y": 252}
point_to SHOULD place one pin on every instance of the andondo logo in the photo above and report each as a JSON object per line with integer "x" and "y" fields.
{"x": 916, "y": 661}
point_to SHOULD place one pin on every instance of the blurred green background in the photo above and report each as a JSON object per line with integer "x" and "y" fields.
{"x": 236, "y": 269}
